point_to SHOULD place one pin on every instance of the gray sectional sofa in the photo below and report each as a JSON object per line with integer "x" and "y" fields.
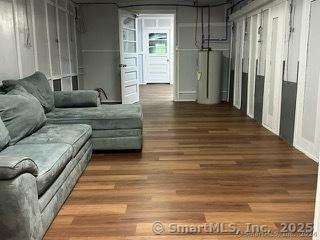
{"x": 46, "y": 141}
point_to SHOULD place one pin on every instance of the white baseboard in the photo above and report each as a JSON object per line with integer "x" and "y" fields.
{"x": 187, "y": 96}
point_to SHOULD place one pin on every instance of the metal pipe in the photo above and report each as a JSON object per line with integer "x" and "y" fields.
{"x": 226, "y": 33}
{"x": 208, "y": 53}
{"x": 209, "y": 26}
{"x": 150, "y": 4}
{"x": 202, "y": 34}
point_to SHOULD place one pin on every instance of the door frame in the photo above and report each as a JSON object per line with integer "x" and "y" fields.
{"x": 146, "y": 51}
{"x": 274, "y": 124}
{"x": 175, "y": 59}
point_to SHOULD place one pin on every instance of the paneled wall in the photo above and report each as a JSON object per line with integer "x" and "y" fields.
{"x": 39, "y": 35}
{"x": 100, "y": 49}
{"x": 299, "y": 117}
{"x": 257, "y": 84}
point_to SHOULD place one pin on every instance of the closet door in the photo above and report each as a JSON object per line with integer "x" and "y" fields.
{"x": 308, "y": 108}
{"x": 238, "y": 64}
{"x": 25, "y": 37}
{"x": 73, "y": 45}
{"x": 245, "y": 67}
{"x": 8, "y": 51}
{"x": 274, "y": 70}
{"x": 41, "y": 37}
{"x": 64, "y": 42}
{"x": 53, "y": 40}
{"x": 261, "y": 65}
{"x": 252, "y": 64}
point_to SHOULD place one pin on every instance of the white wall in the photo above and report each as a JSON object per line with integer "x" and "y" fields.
{"x": 100, "y": 49}
{"x": 101, "y": 60}
{"x": 38, "y": 37}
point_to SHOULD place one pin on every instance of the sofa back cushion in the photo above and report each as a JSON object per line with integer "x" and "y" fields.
{"x": 2, "y": 90}
{"x": 21, "y": 113}
{"x": 4, "y": 136}
{"x": 37, "y": 85}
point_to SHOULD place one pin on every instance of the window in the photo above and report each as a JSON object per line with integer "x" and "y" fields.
{"x": 158, "y": 43}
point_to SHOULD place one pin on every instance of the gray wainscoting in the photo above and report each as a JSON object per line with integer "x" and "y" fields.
{"x": 244, "y": 93}
{"x": 75, "y": 85}
{"x": 258, "y": 99}
{"x": 57, "y": 85}
{"x": 231, "y": 86}
{"x": 288, "y": 111}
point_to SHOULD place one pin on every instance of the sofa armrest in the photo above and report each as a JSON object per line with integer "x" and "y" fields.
{"x": 74, "y": 99}
{"x": 11, "y": 167}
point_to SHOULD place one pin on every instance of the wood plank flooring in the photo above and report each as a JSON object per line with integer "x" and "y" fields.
{"x": 199, "y": 164}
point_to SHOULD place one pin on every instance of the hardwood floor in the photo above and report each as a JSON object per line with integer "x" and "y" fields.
{"x": 199, "y": 164}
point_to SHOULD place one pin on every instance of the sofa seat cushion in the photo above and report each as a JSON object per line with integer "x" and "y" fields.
{"x": 102, "y": 117}
{"x": 74, "y": 134}
{"x": 51, "y": 158}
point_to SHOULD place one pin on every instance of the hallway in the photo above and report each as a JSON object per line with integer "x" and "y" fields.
{"x": 155, "y": 93}
{"x": 200, "y": 164}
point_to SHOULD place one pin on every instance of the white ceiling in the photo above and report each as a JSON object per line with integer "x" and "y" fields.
{"x": 133, "y": 2}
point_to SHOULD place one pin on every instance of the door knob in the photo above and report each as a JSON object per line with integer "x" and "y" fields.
{"x": 122, "y": 65}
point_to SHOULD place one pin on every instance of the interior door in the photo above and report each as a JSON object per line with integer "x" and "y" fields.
{"x": 238, "y": 64}
{"x": 272, "y": 100}
{"x": 157, "y": 56}
{"x": 252, "y": 64}
{"x": 128, "y": 57}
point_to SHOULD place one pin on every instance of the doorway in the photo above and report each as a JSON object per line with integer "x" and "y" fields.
{"x": 146, "y": 51}
{"x": 156, "y": 48}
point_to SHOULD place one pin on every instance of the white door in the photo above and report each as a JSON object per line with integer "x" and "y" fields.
{"x": 252, "y": 64}
{"x": 307, "y": 135}
{"x": 238, "y": 63}
{"x": 274, "y": 71}
{"x": 157, "y": 56}
{"x": 128, "y": 57}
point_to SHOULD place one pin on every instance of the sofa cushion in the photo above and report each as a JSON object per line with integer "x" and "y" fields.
{"x": 21, "y": 113}
{"x": 75, "y": 99}
{"x": 37, "y": 85}
{"x": 74, "y": 134}
{"x": 102, "y": 117}
{"x": 51, "y": 158}
{"x": 2, "y": 90}
{"x": 4, "y": 135}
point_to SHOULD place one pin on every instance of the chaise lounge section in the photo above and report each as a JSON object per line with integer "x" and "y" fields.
{"x": 115, "y": 127}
